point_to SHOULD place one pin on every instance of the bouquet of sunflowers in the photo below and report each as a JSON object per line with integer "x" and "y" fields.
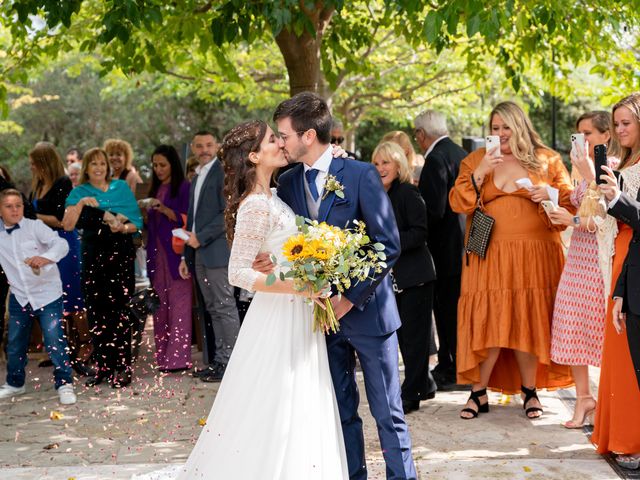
{"x": 323, "y": 257}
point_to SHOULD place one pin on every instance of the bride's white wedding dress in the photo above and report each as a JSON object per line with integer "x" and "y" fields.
{"x": 275, "y": 416}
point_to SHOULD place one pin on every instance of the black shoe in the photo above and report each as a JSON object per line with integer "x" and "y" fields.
{"x": 200, "y": 372}
{"x": 83, "y": 369}
{"x": 409, "y": 406}
{"x": 216, "y": 376}
{"x": 531, "y": 394}
{"x": 45, "y": 363}
{"x": 98, "y": 378}
{"x": 482, "y": 407}
{"x": 429, "y": 396}
{"x": 174, "y": 370}
{"x": 121, "y": 379}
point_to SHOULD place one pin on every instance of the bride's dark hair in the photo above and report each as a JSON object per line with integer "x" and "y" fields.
{"x": 239, "y": 171}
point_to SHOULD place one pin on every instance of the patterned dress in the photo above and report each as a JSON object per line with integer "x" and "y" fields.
{"x": 577, "y": 332}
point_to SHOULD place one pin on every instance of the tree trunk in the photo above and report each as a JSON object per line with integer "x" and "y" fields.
{"x": 302, "y": 53}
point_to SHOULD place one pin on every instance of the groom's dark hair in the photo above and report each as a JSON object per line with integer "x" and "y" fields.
{"x": 307, "y": 111}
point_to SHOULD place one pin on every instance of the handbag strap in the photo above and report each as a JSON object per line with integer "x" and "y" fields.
{"x": 475, "y": 187}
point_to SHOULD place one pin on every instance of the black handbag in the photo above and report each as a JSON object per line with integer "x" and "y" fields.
{"x": 480, "y": 228}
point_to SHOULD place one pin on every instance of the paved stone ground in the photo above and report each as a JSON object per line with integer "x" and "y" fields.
{"x": 112, "y": 434}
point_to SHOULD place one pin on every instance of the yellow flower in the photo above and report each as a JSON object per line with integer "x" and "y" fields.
{"x": 294, "y": 247}
{"x": 319, "y": 249}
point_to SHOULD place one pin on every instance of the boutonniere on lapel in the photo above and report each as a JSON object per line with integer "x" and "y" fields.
{"x": 333, "y": 185}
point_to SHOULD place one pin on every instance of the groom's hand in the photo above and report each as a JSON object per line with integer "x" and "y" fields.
{"x": 341, "y": 306}
{"x": 263, "y": 263}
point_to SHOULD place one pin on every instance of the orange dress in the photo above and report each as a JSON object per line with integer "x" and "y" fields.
{"x": 617, "y": 423}
{"x": 506, "y": 300}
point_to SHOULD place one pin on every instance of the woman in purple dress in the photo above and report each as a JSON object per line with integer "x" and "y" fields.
{"x": 172, "y": 321}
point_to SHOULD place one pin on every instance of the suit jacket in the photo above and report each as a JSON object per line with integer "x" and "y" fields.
{"x": 374, "y": 312}
{"x": 210, "y": 231}
{"x": 445, "y": 227}
{"x": 415, "y": 265}
{"x": 627, "y": 286}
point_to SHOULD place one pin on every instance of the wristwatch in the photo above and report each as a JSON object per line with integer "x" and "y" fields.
{"x": 576, "y": 220}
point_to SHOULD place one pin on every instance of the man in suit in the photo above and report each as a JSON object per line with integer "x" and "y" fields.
{"x": 626, "y": 309}
{"x": 367, "y": 311}
{"x": 446, "y": 234}
{"x": 207, "y": 253}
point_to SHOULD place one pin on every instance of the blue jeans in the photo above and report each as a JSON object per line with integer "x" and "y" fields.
{"x": 20, "y": 323}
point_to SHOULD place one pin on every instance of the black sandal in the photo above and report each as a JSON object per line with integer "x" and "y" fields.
{"x": 530, "y": 394}
{"x": 482, "y": 408}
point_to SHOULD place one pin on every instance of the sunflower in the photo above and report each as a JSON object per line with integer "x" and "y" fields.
{"x": 319, "y": 249}
{"x": 294, "y": 248}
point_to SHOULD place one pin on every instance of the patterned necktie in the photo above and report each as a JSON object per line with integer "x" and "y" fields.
{"x": 311, "y": 175}
{"x": 11, "y": 229}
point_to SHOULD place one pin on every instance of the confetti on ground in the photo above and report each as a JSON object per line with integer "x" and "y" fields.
{"x": 56, "y": 415}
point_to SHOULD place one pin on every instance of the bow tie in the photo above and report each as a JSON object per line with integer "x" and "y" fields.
{"x": 11, "y": 229}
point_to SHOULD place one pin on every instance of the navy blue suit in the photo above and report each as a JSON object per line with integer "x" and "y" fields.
{"x": 369, "y": 328}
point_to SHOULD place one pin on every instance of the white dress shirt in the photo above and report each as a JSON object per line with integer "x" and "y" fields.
{"x": 322, "y": 165}
{"x": 432, "y": 146}
{"x": 32, "y": 239}
{"x": 202, "y": 173}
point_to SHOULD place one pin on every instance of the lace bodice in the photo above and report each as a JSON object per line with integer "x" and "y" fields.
{"x": 263, "y": 224}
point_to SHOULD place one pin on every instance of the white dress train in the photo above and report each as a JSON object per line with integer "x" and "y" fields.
{"x": 275, "y": 416}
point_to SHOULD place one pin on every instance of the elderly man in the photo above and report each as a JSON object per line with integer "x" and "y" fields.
{"x": 446, "y": 234}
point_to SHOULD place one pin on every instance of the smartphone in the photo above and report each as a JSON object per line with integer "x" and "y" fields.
{"x": 549, "y": 207}
{"x": 577, "y": 140}
{"x": 600, "y": 160}
{"x": 491, "y": 142}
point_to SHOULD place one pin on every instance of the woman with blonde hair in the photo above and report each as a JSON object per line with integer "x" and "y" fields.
{"x": 413, "y": 273}
{"x": 506, "y": 299}
{"x": 618, "y": 410}
{"x": 50, "y": 187}
{"x": 415, "y": 161}
{"x": 120, "y": 155}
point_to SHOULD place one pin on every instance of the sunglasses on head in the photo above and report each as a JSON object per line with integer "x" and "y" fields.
{"x": 337, "y": 140}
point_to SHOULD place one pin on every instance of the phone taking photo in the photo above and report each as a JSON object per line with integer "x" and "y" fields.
{"x": 491, "y": 142}
{"x": 600, "y": 160}
{"x": 577, "y": 142}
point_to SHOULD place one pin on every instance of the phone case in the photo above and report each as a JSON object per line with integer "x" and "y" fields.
{"x": 492, "y": 141}
{"x": 577, "y": 139}
{"x": 600, "y": 160}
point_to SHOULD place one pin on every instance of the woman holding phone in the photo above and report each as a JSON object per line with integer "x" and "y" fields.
{"x": 506, "y": 299}
{"x": 618, "y": 411}
{"x": 577, "y": 331}
{"x": 172, "y": 321}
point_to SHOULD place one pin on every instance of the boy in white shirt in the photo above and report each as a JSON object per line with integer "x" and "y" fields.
{"x": 29, "y": 251}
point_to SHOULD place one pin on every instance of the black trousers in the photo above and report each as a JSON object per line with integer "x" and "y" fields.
{"x": 108, "y": 283}
{"x": 633, "y": 337}
{"x": 414, "y": 336}
{"x": 445, "y": 309}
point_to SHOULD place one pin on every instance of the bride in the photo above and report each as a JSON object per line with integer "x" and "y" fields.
{"x": 275, "y": 416}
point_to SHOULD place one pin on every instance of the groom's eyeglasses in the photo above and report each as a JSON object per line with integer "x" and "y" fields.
{"x": 285, "y": 136}
{"x": 337, "y": 140}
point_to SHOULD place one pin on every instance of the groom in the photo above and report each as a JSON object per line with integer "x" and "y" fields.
{"x": 367, "y": 311}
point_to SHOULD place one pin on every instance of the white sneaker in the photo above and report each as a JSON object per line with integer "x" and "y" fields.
{"x": 7, "y": 391}
{"x": 67, "y": 394}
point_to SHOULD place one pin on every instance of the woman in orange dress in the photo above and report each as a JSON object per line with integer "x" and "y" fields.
{"x": 617, "y": 422}
{"x": 506, "y": 300}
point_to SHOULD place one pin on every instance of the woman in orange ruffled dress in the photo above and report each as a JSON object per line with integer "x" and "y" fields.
{"x": 617, "y": 422}
{"x": 506, "y": 299}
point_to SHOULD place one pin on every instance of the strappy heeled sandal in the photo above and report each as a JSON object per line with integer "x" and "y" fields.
{"x": 530, "y": 394}
{"x": 587, "y": 414}
{"x": 482, "y": 407}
